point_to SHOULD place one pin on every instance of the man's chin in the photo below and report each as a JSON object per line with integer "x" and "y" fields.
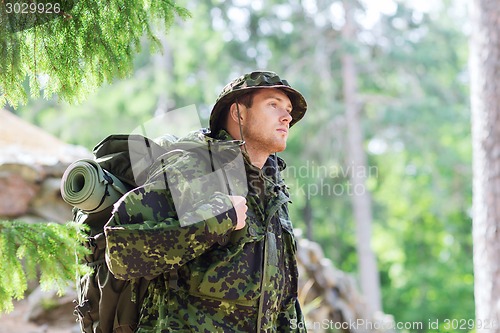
{"x": 280, "y": 148}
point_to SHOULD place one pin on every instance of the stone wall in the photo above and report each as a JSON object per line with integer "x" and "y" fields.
{"x": 330, "y": 297}
{"x": 31, "y": 166}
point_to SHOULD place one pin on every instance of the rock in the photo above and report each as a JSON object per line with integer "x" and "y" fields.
{"x": 315, "y": 253}
{"x": 16, "y": 194}
{"x": 45, "y": 307}
{"x": 49, "y": 205}
{"x": 25, "y": 144}
{"x": 30, "y": 173}
{"x": 32, "y": 163}
{"x": 330, "y": 297}
{"x": 329, "y": 273}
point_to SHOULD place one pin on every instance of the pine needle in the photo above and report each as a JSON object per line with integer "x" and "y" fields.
{"x": 44, "y": 250}
{"x": 78, "y": 50}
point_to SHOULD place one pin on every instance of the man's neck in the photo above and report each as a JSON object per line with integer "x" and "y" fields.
{"x": 257, "y": 157}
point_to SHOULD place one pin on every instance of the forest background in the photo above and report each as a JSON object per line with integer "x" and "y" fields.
{"x": 412, "y": 98}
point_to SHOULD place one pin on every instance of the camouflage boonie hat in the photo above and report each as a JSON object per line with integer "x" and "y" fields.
{"x": 256, "y": 80}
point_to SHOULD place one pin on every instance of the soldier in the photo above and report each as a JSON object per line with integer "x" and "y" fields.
{"x": 228, "y": 263}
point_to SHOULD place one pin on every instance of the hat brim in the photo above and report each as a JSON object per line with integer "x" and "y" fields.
{"x": 299, "y": 104}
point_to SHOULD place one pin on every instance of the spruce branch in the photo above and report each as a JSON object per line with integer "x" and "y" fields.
{"x": 46, "y": 250}
{"x": 85, "y": 45}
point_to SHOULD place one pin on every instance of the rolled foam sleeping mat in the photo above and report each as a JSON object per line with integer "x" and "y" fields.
{"x": 86, "y": 185}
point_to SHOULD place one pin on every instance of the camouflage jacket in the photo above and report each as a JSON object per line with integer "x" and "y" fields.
{"x": 207, "y": 276}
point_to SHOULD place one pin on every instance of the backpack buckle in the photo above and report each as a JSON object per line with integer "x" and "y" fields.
{"x": 97, "y": 241}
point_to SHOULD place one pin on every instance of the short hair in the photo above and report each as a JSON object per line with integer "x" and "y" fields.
{"x": 245, "y": 99}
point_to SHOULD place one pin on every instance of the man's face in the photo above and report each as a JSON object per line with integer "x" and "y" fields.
{"x": 268, "y": 120}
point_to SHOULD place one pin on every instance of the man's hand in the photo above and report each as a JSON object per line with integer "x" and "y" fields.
{"x": 240, "y": 206}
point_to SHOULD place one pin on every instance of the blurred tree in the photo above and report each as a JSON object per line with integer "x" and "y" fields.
{"x": 485, "y": 101}
{"x": 361, "y": 199}
{"x": 419, "y": 139}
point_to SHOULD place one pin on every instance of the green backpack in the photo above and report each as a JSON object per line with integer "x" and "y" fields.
{"x": 105, "y": 304}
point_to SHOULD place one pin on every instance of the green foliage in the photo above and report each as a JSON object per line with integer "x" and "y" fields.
{"x": 78, "y": 51}
{"x": 423, "y": 193}
{"x": 44, "y": 250}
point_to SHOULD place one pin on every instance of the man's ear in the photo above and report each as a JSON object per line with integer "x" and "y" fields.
{"x": 233, "y": 113}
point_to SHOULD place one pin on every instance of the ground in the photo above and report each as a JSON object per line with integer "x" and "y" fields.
{"x": 15, "y": 322}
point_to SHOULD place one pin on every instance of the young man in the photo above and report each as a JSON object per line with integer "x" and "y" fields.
{"x": 226, "y": 262}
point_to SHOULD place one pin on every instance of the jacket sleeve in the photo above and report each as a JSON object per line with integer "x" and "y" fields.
{"x": 145, "y": 236}
{"x": 291, "y": 319}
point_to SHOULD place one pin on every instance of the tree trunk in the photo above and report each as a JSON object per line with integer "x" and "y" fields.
{"x": 308, "y": 218}
{"x": 485, "y": 103}
{"x": 357, "y": 165}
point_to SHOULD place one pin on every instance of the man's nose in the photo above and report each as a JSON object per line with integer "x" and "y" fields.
{"x": 286, "y": 117}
